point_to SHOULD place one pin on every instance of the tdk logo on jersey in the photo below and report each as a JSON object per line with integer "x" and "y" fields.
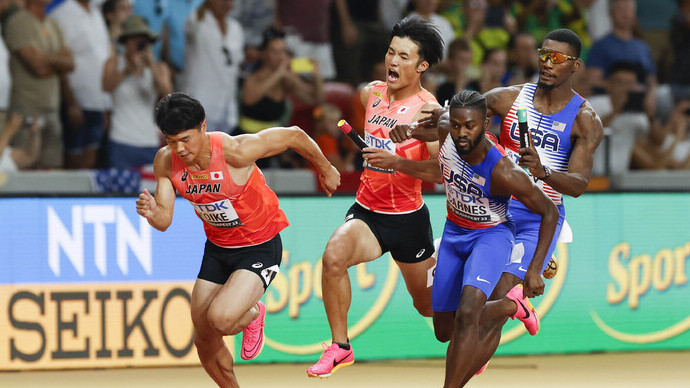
{"x": 383, "y": 144}
{"x": 210, "y": 207}
{"x": 541, "y": 139}
{"x": 383, "y": 121}
{"x": 464, "y": 185}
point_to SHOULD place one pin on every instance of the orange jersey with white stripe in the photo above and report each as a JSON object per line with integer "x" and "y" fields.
{"x": 389, "y": 191}
{"x": 233, "y": 216}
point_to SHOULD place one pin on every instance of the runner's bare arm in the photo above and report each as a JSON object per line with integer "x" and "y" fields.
{"x": 426, "y": 170}
{"x": 508, "y": 179}
{"x": 499, "y": 100}
{"x": 586, "y": 136}
{"x": 244, "y": 150}
{"x": 158, "y": 209}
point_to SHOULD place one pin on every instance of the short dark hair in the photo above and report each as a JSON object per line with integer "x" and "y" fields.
{"x": 566, "y": 36}
{"x": 469, "y": 99}
{"x": 270, "y": 34}
{"x": 631, "y": 67}
{"x": 178, "y": 112}
{"x": 424, "y": 34}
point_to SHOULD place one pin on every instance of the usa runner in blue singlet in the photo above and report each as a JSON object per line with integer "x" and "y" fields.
{"x": 477, "y": 241}
{"x": 551, "y": 137}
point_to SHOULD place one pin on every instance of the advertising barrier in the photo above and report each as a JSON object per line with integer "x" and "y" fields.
{"x": 87, "y": 283}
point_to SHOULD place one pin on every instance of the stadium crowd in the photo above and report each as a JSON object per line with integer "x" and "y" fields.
{"x": 79, "y": 78}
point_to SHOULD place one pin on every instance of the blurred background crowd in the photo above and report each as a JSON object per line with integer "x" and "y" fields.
{"x": 79, "y": 78}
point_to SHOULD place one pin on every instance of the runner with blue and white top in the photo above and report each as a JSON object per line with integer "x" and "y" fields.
{"x": 478, "y": 236}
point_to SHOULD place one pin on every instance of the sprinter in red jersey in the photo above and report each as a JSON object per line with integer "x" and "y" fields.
{"x": 389, "y": 214}
{"x": 217, "y": 174}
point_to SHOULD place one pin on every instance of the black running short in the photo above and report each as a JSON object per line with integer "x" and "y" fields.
{"x": 263, "y": 259}
{"x": 407, "y": 237}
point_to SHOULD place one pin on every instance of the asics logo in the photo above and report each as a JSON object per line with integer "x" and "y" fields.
{"x": 421, "y": 253}
{"x": 257, "y": 265}
{"x": 483, "y": 280}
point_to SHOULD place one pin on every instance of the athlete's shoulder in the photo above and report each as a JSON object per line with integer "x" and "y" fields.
{"x": 588, "y": 118}
{"x": 162, "y": 162}
{"x": 368, "y": 89}
{"x": 499, "y": 100}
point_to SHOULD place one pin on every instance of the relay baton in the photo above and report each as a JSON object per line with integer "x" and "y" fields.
{"x": 354, "y": 136}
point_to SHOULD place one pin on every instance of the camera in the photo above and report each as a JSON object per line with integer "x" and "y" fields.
{"x": 302, "y": 66}
{"x": 635, "y": 102}
{"x": 30, "y": 120}
{"x": 142, "y": 45}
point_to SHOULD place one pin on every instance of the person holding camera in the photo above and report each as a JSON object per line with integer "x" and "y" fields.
{"x": 622, "y": 111}
{"x": 265, "y": 93}
{"x": 136, "y": 81}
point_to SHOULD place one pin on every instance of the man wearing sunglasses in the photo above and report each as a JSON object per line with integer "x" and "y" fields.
{"x": 564, "y": 132}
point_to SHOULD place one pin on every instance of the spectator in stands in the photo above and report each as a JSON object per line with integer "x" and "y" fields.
{"x": 621, "y": 45}
{"x": 622, "y": 111}
{"x": 265, "y": 95}
{"x": 115, "y": 12}
{"x": 459, "y": 65}
{"x": 38, "y": 56}
{"x": 356, "y": 32}
{"x": 426, "y": 9}
{"x": 155, "y": 12}
{"x": 667, "y": 146}
{"x": 13, "y": 159}
{"x": 213, "y": 55}
{"x": 83, "y": 100}
{"x": 340, "y": 151}
{"x": 493, "y": 71}
{"x": 541, "y": 16}
{"x": 523, "y": 63}
{"x": 177, "y": 15}
{"x": 136, "y": 81}
{"x": 307, "y": 27}
{"x": 680, "y": 40}
{"x": 255, "y": 16}
{"x": 266, "y": 91}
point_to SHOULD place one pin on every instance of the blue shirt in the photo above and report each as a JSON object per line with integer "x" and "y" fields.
{"x": 177, "y": 15}
{"x": 155, "y": 12}
{"x": 610, "y": 49}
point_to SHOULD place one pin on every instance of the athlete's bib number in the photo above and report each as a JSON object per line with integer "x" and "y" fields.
{"x": 219, "y": 214}
{"x": 469, "y": 207}
{"x": 382, "y": 144}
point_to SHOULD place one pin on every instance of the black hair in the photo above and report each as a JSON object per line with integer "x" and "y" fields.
{"x": 424, "y": 34}
{"x": 632, "y": 67}
{"x": 270, "y": 34}
{"x": 469, "y": 99}
{"x": 178, "y": 112}
{"x": 566, "y": 36}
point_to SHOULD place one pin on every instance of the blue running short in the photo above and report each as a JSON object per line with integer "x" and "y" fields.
{"x": 469, "y": 257}
{"x": 526, "y": 237}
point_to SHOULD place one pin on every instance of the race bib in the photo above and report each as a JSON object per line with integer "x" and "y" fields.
{"x": 382, "y": 144}
{"x": 219, "y": 214}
